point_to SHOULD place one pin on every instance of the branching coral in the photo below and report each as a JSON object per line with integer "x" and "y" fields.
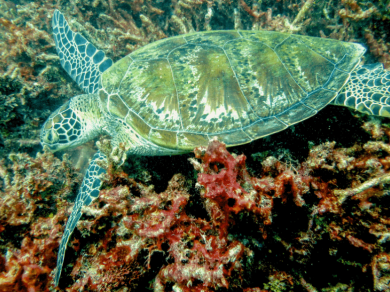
{"x": 358, "y": 13}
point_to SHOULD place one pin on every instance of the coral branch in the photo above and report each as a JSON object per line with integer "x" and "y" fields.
{"x": 302, "y": 12}
{"x": 344, "y": 194}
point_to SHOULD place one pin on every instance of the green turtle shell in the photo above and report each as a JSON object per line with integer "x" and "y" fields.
{"x": 237, "y": 85}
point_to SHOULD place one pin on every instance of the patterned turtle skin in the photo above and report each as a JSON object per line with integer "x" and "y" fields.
{"x": 179, "y": 93}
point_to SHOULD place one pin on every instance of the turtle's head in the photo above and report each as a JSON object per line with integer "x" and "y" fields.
{"x": 62, "y": 129}
{"x": 73, "y": 124}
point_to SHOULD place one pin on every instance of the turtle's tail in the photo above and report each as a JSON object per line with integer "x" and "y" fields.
{"x": 368, "y": 91}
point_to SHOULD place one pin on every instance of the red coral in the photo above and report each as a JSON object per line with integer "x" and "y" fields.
{"x": 29, "y": 268}
{"x": 196, "y": 252}
{"x": 27, "y": 207}
{"x": 228, "y": 186}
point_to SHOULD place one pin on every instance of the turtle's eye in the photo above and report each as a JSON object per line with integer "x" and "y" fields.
{"x": 49, "y": 134}
{"x": 50, "y": 137}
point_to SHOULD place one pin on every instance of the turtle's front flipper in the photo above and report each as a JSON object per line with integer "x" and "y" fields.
{"x": 88, "y": 192}
{"x": 80, "y": 59}
{"x": 368, "y": 91}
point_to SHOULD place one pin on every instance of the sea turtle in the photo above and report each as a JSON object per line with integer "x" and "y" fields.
{"x": 178, "y": 93}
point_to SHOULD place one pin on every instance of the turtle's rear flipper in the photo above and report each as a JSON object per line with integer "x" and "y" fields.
{"x": 368, "y": 91}
{"x": 89, "y": 191}
{"x": 83, "y": 62}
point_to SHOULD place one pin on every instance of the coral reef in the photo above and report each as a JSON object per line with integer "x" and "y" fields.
{"x": 33, "y": 210}
{"x": 327, "y": 209}
{"x": 330, "y": 210}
